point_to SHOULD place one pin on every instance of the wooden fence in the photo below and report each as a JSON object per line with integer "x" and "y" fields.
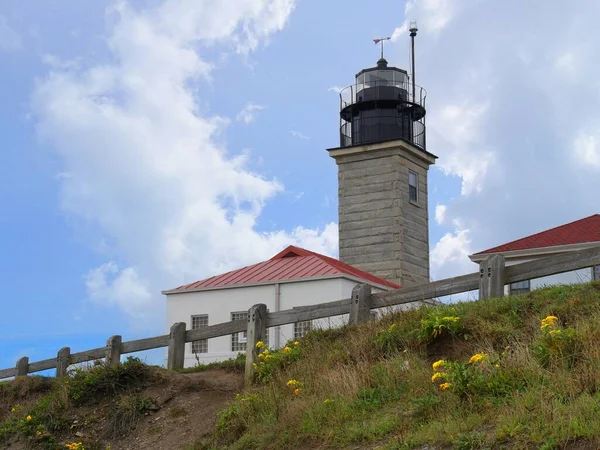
{"x": 490, "y": 281}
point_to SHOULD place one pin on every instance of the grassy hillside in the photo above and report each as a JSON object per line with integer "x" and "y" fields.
{"x": 516, "y": 372}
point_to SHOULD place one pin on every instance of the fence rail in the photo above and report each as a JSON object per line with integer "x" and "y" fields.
{"x": 490, "y": 281}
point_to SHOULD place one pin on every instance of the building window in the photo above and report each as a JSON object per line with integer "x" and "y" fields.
{"x": 413, "y": 187}
{"x": 238, "y": 340}
{"x": 520, "y": 287}
{"x": 301, "y": 328}
{"x": 200, "y": 321}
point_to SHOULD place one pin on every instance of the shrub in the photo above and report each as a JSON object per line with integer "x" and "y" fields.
{"x": 390, "y": 339}
{"x": 481, "y": 375}
{"x": 437, "y": 323}
{"x": 272, "y": 360}
{"x": 87, "y": 385}
{"x": 556, "y": 345}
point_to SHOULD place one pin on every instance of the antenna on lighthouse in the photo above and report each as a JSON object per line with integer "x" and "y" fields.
{"x": 413, "y": 32}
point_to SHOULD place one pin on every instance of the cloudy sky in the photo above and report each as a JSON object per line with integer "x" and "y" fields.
{"x": 150, "y": 143}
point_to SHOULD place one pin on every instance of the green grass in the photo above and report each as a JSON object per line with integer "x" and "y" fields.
{"x": 372, "y": 384}
{"x": 236, "y": 364}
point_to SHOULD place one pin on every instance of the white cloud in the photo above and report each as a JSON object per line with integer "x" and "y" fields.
{"x": 587, "y": 151}
{"x": 143, "y": 163}
{"x": 449, "y": 256}
{"x": 248, "y": 113}
{"x": 9, "y": 38}
{"x": 335, "y": 89}
{"x": 432, "y": 16}
{"x": 122, "y": 288}
{"x": 57, "y": 63}
{"x": 298, "y": 135}
{"x": 456, "y": 128}
{"x": 440, "y": 212}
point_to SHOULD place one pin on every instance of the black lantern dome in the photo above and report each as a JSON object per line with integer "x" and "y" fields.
{"x": 382, "y": 105}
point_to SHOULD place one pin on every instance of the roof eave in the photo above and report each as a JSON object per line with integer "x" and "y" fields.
{"x": 534, "y": 252}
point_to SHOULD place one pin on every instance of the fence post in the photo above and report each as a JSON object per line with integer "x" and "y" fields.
{"x": 62, "y": 362}
{"x": 360, "y": 305}
{"x": 257, "y": 328}
{"x": 176, "y": 346}
{"x": 22, "y": 366}
{"x": 113, "y": 350}
{"x": 491, "y": 277}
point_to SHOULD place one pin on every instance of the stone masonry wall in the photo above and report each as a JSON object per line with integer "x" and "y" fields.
{"x": 380, "y": 231}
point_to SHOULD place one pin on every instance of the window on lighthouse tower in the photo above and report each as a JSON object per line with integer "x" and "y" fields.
{"x": 413, "y": 187}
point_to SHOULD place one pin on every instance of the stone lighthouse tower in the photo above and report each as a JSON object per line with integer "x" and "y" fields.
{"x": 382, "y": 174}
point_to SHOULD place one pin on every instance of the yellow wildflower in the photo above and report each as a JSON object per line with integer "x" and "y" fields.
{"x": 260, "y": 344}
{"x": 287, "y": 349}
{"x": 497, "y": 366}
{"x": 268, "y": 356}
{"x": 292, "y": 383}
{"x": 445, "y": 386}
{"x": 12, "y": 410}
{"x": 28, "y": 418}
{"x": 549, "y": 322}
{"x": 38, "y": 433}
{"x": 554, "y": 332}
{"x": 436, "y": 365}
{"x": 438, "y": 375}
{"x": 296, "y": 343}
{"x": 297, "y": 391}
{"x": 261, "y": 355}
{"x": 451, "y": 319}
{"x": 477, "y": 357}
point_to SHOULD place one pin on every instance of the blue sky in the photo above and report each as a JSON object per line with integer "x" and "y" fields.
{"x": 151, "y": 143}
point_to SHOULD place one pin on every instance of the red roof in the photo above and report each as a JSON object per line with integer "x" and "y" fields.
{"x": 293, "y": 263}
{"x": 578, "y": 232}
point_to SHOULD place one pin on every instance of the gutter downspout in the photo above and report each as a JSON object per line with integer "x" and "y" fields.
{"x": 277, "y": 308}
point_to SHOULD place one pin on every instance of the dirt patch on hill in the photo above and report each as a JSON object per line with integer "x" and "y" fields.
{"x": 186, "y": 409}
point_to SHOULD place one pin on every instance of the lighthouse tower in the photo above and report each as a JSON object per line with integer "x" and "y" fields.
{"x": 382, "y": 174}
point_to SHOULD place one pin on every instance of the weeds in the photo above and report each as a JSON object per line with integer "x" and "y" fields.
{"x": 87, "y": 385}
{"x": 126, "y": 413}
{"x": 501, "y": 380}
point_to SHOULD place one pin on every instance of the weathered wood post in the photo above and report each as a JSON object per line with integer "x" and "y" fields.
{"x": 257, "y": 328}
{"x": 22, "y": 367}
{"x": 63, "y": 360}
{"x": 176, "y": 353}
{"x": 491, "y": 277}
{"x": 113, "y": 350}
{"x": 360, "y": 305}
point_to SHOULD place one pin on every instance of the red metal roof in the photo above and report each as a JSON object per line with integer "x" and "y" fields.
{"x": 293, "y": 263}
{"x": 578, "y": 232}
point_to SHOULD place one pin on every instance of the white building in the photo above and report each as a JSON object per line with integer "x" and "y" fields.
{"x": 579, "y": 235}
{"x": 293, "y": 277}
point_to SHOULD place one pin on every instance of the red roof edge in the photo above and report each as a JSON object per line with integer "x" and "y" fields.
{"x": 512, "y": 244}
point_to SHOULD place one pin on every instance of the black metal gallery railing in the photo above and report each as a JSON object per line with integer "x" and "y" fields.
{"x": 382, "y": 90}
{"x": 381, "y": 128}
